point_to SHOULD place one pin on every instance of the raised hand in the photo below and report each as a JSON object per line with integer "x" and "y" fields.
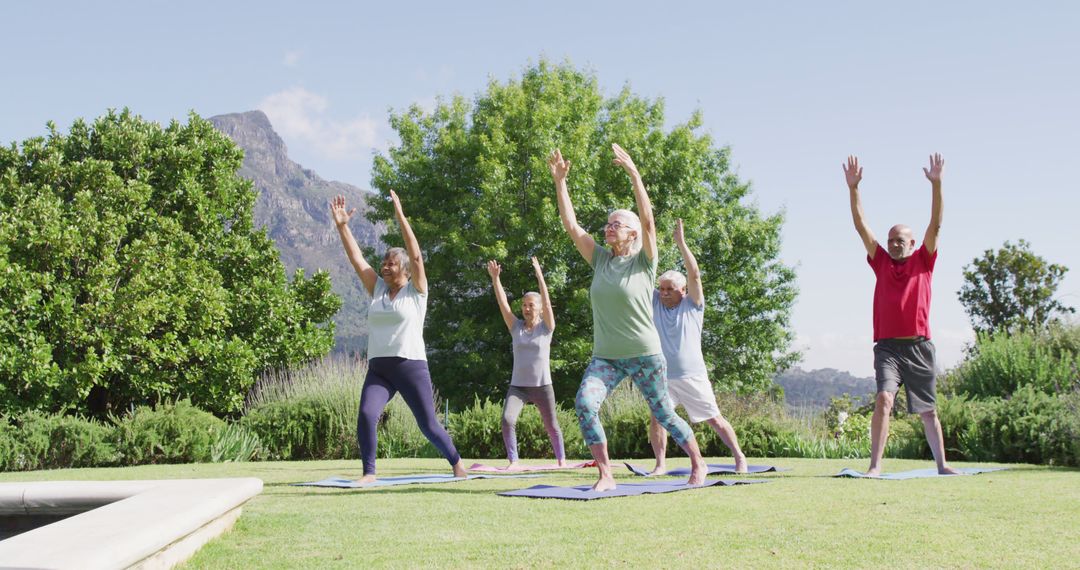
{"x": 337, "y": 210}
{"x": 558, "y": 166}
{"x": 679, "y": 237}
{"x": 536, "y": 264}
{"x": 853, "y": 172}
{"x": 622, "y": 159}
{"x": 397, "y": 203}
{"x": 936, "y": 164}
{"x": 494, "y": 269}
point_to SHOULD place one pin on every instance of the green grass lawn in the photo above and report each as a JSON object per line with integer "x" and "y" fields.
{"x": 1028, "y": 516}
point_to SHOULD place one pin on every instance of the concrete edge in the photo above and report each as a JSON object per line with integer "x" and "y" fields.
{"x": 145, "y": 519}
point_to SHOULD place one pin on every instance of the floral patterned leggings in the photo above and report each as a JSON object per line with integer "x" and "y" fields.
{"x": 603, "y": 375}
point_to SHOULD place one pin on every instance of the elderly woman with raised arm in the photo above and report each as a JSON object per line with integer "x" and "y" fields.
{"x": 397, "y": 361}
{"x": 625, "y": 341}
{"x": 530, "y": 382}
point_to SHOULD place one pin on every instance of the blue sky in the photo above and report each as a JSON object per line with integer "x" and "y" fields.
{"x": 792, "y": 87}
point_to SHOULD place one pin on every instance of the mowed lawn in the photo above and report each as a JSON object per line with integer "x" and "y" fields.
{"x": 1027, "y": 516}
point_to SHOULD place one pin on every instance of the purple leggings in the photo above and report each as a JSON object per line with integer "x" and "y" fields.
{"x": 386, "y": 376}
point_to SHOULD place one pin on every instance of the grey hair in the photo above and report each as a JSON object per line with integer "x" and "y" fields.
{"x": 402, "y": 257}
{"x": 533, "y": 294}
{"x": 677, "y": 279}
{"x": 635, "y": 224}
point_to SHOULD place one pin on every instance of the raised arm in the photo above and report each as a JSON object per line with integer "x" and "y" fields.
{"x": 559, "y": 169}
{"x": 494, "y": 270}
{"x": 693, "y": 274}
{"x": 416, "y": 261}
{"x": 936, "y": 207}
{"x": 549, "y": 313}
{"x": 644, "y": 206}
{"x": 853, "y": 174}
{"x": 356, "y": 257}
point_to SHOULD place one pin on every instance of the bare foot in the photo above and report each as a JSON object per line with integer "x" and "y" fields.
{"x": 660, "y": 469}
{"x": 697, "y": 475}
{"x": 561, "y": 463}
{"x": 946, "y": 470}
{"x": 369, "y": 478}
{"x": 512, "y": 465}
{"x": 604, "y": 484}
{"x": 459, "y": 470}
{"x": 873, "y": 472}
{"x": 740, "y": 464}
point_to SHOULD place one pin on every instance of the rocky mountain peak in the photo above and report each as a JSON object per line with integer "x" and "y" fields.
{"x": 293, "y": 206}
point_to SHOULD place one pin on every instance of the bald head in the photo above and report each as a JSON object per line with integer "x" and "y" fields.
{"x": 901, "y": 242}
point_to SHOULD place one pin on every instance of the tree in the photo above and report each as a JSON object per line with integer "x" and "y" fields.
{"x": 1012, "y": 289}
{"x": 474, "y": 182}
{"x": 130, "y": 272}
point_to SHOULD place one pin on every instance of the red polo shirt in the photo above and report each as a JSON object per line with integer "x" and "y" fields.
{"x": 902, "y": 293}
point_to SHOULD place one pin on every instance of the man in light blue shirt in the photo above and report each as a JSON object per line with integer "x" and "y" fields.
{"x": 679, "y": 315}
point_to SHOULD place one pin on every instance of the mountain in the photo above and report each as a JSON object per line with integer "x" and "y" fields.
{"x": 814, "y": 388}
{"x": 293, "y": 205}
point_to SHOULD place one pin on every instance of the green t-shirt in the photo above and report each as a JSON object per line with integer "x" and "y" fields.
{"x": 621, "y": 295}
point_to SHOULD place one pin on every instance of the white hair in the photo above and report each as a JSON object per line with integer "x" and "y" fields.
{"x": 539, "y": 299}
{"x": 402, "y": 258}
{"x": 677, "y": 279}
{"x": 635, "y": 224}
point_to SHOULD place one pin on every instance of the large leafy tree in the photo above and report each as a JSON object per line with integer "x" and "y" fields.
{"x": 130, "y": 272}
{"x": 1012, "y": 289}
{"x": 475, "y": 185}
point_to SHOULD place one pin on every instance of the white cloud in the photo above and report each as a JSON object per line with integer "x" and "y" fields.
{"x": 291, "y": 59}
{"x": 300, "y": 115}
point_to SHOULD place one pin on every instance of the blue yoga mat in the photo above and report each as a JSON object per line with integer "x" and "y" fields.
{"x": 714, "y": 469}
{"x": 346, "y": 483}
{"x": 916, "y": 473}
{"x": 585, "y": 492}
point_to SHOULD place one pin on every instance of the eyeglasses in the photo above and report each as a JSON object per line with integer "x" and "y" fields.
{"x": 616, "y": 225}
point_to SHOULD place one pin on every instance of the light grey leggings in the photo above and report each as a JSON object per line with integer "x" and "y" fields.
{"x": 544, "y": 399}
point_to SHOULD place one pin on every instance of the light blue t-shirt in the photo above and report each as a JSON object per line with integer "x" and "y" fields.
{"x": 680, "y": 337}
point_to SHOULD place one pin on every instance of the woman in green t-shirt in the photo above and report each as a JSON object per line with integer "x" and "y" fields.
{"x": 625, "y": 341}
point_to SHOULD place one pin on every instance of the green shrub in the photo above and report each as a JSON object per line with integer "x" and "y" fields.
{"x": 308, "y": 412}
{"x": 235, "y": 444}
{"x": 35, "y": 440}
{"x": 1002, "y": 362}
{"x": 477, "y": 432}
{"x": 11, "y": 458}
{"x": 907, "y": 440}
{"x": 625, "y": 417}
{"x": 398, "y": 434}
{"x": 305, "y": 428}
{"x": 171, "y": 433}
{"x": 1029, "y": 427}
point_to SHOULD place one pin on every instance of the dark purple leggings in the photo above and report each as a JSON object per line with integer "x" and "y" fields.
{"x": 386, "y": 376}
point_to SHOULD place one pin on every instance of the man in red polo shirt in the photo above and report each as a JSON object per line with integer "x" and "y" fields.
{"x": 903, "y": 353}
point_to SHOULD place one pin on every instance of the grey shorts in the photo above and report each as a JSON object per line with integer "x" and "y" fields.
{"x": 911, "y": 364}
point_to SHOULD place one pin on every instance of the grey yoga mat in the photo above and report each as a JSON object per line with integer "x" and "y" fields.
{"x": 585, "y": 492}
{"x": 916, "y": 473}
{"x": 714, "y": 469}
{"x": 346, "y": 483}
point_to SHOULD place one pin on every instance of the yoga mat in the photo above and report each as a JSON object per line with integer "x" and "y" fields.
{"x": 346, "y": 483}
{"x": 916, "y": 473}
{"x": 714, "y": 469}
{"x": 527, "y": 468}
{"x": 585, "y": 492}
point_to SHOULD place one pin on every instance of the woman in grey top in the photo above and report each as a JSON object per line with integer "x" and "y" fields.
{"x": 531, "y": 379}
